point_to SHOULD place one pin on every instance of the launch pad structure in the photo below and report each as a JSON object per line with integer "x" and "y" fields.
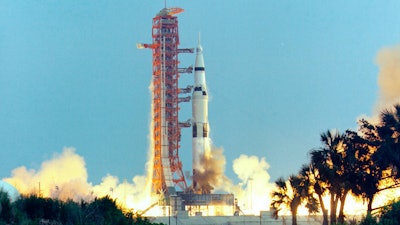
{"x": 166, "y": 128}
{"x": 167, "y": 168}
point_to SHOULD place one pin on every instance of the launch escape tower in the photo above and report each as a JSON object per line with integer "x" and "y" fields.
{"x": 167, "y": 168}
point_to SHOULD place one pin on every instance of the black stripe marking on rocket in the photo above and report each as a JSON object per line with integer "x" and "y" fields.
{"x": 199, "y": 69}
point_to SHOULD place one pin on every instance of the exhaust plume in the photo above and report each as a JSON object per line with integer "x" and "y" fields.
{"x": 211, "y": 170}
{"x": 254, "y": 187}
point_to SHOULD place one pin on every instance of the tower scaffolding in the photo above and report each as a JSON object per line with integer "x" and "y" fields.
{"x": 167, "y": 167}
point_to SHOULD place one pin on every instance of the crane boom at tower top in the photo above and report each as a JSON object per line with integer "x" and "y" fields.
{"x": 170, "y": 11}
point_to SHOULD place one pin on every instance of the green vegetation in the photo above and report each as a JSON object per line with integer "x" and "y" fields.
{"x": 34, "y": 210}
{"x": 388, "y": 215}
{"x": 361, "y": 163}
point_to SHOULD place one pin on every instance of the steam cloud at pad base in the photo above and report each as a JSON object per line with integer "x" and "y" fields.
{"x": 65, "y": 177}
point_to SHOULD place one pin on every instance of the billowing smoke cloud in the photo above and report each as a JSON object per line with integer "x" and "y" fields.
{"x": 254, "y": 187}
{"x": 212, "y": 170}
{"x": 65, "y": 177}
{"x": 253, "y": 190}
{"x": 135, "y": 195}
{"x": 388, "y": 60}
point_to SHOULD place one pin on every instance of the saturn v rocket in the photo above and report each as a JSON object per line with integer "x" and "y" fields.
{"x": 201, "y": 141}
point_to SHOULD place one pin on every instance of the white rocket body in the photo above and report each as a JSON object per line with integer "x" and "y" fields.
{"x": 200, "y": 127}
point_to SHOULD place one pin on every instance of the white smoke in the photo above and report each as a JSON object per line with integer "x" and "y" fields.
{"x": 133, "y": 195}
{"x": 65, "y": 177}
{"x": 388, "y": 60}
{"x": 254, "y": 188}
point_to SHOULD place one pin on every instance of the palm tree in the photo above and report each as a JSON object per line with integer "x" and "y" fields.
{"x": 330, "y": 162}
{"x": 378, "y": 153}
{"x": 355, "y": 157}
{"x": 291, "y": 194}
{"x": 280, "y": 197}
{"x": 366, "y": 173}
{"x": 317, "y": 186}
{"x": 388, "y": 151}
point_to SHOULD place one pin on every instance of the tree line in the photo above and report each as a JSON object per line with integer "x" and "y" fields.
{"x": 362, "y": 163}
{"x": 36, "y": 210}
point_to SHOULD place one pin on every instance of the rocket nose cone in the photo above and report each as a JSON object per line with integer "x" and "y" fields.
{"x": 199, "y": 57}
{"x": 199, "y": 49}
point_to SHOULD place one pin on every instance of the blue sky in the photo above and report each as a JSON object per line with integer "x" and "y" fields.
{"x": 279, "y": 73}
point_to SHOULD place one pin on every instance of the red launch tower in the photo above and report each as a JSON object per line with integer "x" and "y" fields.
{"x": 167, "y": 168}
